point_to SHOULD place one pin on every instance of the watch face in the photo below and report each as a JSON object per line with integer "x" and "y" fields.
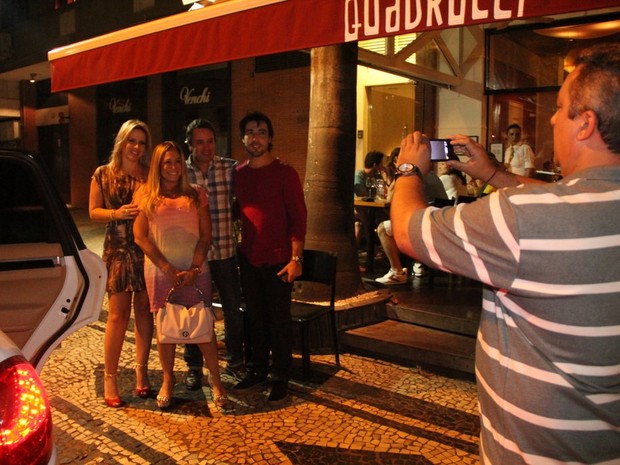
{"x": 405, "y": 167}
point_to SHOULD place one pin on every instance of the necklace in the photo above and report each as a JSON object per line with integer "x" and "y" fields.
{"x": 170, "y": 195}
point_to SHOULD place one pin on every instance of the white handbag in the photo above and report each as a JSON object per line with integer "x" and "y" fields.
{"x": 177, "y": 324}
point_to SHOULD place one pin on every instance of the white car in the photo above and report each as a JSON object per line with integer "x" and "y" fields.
{"x": 50, "y": 286}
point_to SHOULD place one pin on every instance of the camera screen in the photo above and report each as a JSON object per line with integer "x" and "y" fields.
{"x": 442, "y": 150}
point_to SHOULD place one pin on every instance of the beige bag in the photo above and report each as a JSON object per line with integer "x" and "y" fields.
{"x": 177, "y": 324}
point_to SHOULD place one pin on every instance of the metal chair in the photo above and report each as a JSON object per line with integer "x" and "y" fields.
{"x": 318, "y": 267}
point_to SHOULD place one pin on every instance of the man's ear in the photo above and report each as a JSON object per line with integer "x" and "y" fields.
{"x": 588, "y": 126}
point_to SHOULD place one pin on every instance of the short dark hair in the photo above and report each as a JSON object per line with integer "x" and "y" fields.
{"x": 257, "y": 117}
{"x": 199, "y": 123}
{"x": 513, "y": 126}
{"x": 597, "y": 88}
{"x": 372, "y": 158}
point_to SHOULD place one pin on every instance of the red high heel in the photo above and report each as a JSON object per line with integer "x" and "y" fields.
{"x": 113, "y": 402}
{"x": 142, "y": 392}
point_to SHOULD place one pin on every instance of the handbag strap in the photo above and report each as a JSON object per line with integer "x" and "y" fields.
{"x": 198, "y": 291}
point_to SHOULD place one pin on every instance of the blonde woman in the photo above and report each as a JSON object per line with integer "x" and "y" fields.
{"x": 173, "y": 228}
{"x": 111, "y": 191}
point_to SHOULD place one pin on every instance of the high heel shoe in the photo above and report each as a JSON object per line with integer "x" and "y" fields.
{"x": 222, "y": 402}
{"x": 142, "y": 392}
{"x": 113, "y": 402}
{"x": 164, "y": 401}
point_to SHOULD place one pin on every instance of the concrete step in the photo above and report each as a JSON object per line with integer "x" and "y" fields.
{"x": 451, "y": 304}
{"x": 457, "y": 319}
{"x": 412, "y": 345}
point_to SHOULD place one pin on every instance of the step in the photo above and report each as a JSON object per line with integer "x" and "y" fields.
{"x": 454, "y": 319}
{"x": 452, "y": 304}
{"x": 412, "y": 345}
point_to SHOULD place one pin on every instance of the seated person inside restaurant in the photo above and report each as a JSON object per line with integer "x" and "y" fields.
{"x": 365, "y": 178}
{"x": 397, "y": 274}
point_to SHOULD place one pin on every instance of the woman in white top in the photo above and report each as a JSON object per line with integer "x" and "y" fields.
{"x": 454, "y": 182}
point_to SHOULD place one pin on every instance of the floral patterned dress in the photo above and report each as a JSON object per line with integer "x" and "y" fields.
{"x": 123, "y": 258}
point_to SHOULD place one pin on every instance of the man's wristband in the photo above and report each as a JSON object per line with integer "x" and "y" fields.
{"x": 491, "y": 177}
{"x": 196, "y": 268}
{"x": 297, "y": 259}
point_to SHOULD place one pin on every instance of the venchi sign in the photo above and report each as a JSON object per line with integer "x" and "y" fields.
{"x": 189, "y": 96}
{"x": 368, "y": 18}
{"x": 119, "y": 105}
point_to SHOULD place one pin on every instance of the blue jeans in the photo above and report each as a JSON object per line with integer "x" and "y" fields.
{"x": 268, "y": 310}
{"x": 225, "y": 275}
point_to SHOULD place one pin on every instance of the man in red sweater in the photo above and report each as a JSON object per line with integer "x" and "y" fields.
{"x": 273, "y": 230}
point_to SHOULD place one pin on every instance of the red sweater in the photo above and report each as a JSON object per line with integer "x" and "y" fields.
{"x": 273, "y": 211}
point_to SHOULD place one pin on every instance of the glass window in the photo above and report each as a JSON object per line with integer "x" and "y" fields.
{"x": 525, "y": 69}
{"x": 24, "y": 217}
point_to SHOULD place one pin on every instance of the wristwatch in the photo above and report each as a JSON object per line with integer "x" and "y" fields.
{"x": 297, "y": 259}
{"x": 409, "y": 169}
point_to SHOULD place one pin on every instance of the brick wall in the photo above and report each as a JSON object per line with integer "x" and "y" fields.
{"x": 284, "y": 96}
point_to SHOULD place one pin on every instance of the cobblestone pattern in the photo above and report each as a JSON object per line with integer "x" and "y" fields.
{"x": 368, "y": 412}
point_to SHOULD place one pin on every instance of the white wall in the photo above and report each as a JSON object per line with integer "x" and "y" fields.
{"x": 368, "y": 77}
{"x": 459, "y": 111}
{"x": 458, "y": 114}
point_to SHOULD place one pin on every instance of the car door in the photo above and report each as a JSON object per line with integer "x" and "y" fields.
{"x": 50, "y": 283}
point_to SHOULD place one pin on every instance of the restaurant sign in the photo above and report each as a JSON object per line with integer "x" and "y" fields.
{"x": 189, "y": 96}
{"x": 273, "y": 26}
{"x": 365, "y": 19}
{"x": 119, "y": 105}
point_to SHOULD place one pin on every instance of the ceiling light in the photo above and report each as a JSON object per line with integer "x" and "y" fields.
{"x": 582, "y": 31}
{"x": 32, "y": 77}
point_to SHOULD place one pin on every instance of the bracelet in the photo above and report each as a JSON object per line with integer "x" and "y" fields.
{"x": 196, "y": 268}
{"x": 494, "y": 172}
{"x": 297, "y": 259}
{"x": 113, "y": 215}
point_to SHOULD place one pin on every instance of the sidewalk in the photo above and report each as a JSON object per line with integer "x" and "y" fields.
{"x": 368, "y": 412}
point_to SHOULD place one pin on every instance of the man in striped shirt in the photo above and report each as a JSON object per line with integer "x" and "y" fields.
{"x": 214, "y": 173}
{"x": 548, "y": 351}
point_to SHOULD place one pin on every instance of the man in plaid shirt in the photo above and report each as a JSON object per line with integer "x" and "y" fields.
{"x": 214, "y": 173}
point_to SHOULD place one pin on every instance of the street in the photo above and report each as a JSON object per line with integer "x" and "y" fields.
{"x": 368, "y": 412}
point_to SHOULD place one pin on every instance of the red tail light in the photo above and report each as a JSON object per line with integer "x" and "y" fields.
{"x": 25, "y": 416}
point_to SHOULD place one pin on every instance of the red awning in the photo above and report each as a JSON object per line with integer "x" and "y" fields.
{"x": 245, "y": 28}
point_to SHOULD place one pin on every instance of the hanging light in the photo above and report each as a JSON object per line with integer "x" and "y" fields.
{"x": 32, "y": 77}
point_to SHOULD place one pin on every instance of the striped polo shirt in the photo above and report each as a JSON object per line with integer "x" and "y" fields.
{"x": 548, "y": 350}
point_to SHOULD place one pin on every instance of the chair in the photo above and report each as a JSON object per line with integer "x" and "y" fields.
{"x": 466, "y": 199}
{"x": 440, "y": 203}
{"x": 318, "y": 267}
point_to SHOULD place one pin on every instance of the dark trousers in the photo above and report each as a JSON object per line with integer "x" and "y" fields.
{"x": 225, "y": 275}
{"x": 268, "y": 309}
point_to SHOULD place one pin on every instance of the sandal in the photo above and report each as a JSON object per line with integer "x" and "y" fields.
{"x": 142, "y": 392}
{"x": 113, "y": 402}
{"x": 164, "y": 400}
{"x": 222, "y": 402}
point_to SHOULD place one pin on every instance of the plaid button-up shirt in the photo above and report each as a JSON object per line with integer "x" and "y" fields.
{"x": 219, "y": 185}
